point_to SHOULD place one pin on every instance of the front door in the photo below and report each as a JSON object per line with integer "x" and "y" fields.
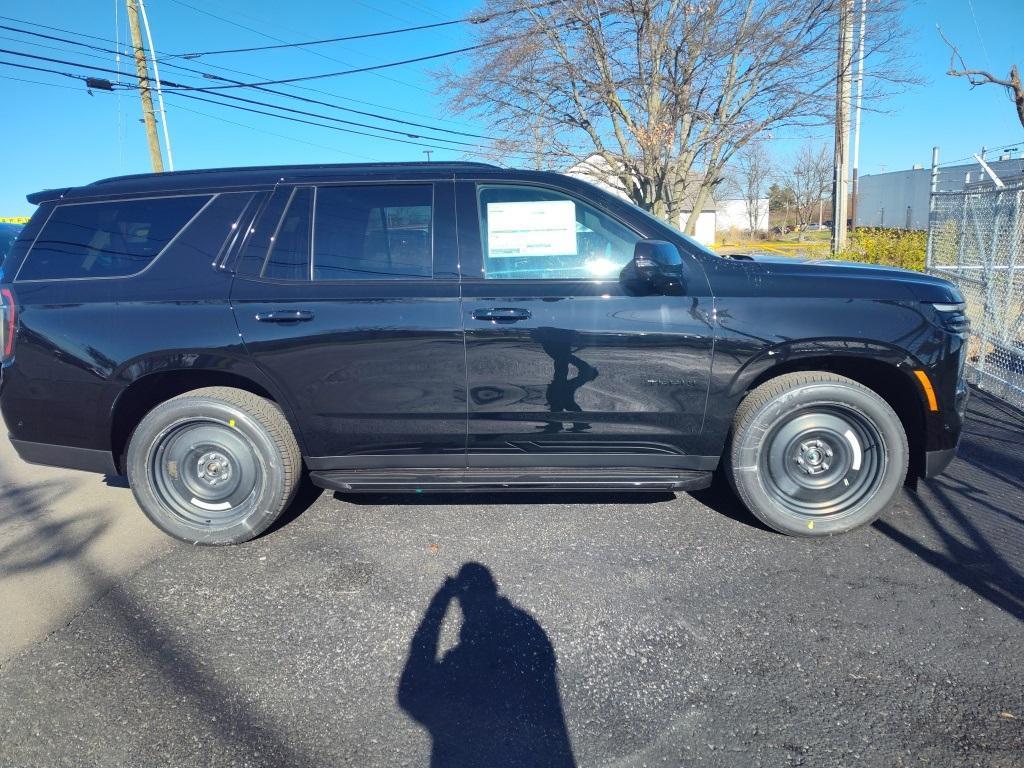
{"x": 347, "y": 297}
{"x": 565, "y": 366}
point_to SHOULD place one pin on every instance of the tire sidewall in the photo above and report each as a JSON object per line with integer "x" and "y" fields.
{"x": 749, "y": 443}
{"x": 173, "y": 413}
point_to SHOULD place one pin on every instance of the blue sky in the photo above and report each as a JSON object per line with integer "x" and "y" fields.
{"x": 61, "y": 136}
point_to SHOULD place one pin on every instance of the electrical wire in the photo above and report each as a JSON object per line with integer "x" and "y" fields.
{"x": 318, "y": 54}
{"x": 359, "y": 70}
{"x": 207, "y": 75}
{"x": 193, "y": 96}
{"x": 174, "y": 88}
{"x": 346, "y": 38}
{"x": 220, "y": 67}
{"x": 325, "y": 41}
{"x": 183, "y": 108}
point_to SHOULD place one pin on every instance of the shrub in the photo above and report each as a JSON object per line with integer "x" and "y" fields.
{"x": 891, "y": 247}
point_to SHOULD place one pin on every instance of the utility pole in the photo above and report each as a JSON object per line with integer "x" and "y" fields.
{"x": 159, "y": 89}
{"x": 841, "y": 180}
{"x": 142, "y": 71}
{"x": 856, "y": 122}
{"x": 428, "y": 153}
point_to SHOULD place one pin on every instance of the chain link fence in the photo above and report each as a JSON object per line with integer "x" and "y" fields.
{"x": 976, "y": 240}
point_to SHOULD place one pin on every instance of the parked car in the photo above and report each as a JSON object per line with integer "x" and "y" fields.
{"x": 215, "y": 335}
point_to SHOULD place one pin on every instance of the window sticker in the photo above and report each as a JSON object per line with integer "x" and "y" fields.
{"x": 535, "y": 228}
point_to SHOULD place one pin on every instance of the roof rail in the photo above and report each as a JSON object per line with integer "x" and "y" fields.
{"x": 306, "y": 167}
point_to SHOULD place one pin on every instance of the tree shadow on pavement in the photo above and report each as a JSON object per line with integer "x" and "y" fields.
{"x": 493, "y": 699}
{"x": 32, "y": 540}
{"x": 975, "y": 511}
{"x": 247, "y": 734}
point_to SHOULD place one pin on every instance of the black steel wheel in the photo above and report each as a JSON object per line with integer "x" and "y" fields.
{"x": 814, "y": 454}
{"x": 214, "y": 466}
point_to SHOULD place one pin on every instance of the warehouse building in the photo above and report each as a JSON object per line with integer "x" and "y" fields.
{"x": 900, "y": 198}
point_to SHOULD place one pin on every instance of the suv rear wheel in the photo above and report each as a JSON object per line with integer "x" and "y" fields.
{"x": 814, "y": 454}
{"x": 214, "y": 466}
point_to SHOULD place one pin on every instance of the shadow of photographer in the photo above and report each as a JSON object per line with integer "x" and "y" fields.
{"x": 492, "y": 700}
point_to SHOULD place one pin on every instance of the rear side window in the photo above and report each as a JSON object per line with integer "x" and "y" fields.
{"x": 111, "y": 239}
{"x": 371, "y": 232}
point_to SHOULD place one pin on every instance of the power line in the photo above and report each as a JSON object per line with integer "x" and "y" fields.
{"x": 189, "y": 95}
{"x": 371, "y": 68}
{"x": 239, "y": 83}
{"x": 319, "y": 54}
{"x": 346, "y": 38}
{"x": 178, "y": 88}
{"x": 269, "y": 133}
{"x": 217, "y": 66}
{"x": 325, "y": 41}
{"x": 40, "y": 82}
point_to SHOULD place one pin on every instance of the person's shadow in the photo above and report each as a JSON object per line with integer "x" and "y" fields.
{"x": 492, "y": 700}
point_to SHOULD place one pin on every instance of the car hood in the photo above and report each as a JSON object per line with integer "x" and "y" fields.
{"x": 827, "y": 278}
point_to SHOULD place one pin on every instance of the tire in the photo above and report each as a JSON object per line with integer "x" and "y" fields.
{"x": 815, "y": 454}
{"x": 214, "y": 466}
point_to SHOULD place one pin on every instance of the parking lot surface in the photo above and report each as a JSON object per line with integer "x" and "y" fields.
{"x": 586, "y": 630}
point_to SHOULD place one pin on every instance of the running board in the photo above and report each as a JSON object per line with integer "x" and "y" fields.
{"x": 477, "y": 479}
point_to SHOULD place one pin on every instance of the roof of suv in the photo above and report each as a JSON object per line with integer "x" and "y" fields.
{"x": 211, "y": 178}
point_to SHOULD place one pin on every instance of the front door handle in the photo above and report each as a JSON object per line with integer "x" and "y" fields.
{"x": 285, "y": 316}
{"x": 501, "y": 314}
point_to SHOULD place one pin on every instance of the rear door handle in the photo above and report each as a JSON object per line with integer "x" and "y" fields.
{"x": 285, "y": 316}
{"x": 502, "y": 314}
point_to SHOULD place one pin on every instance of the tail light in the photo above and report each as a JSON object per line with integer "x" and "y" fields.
{"x": 8, "y": 322}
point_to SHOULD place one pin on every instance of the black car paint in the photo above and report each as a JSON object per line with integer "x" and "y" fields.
{"x": 397, "y": 374}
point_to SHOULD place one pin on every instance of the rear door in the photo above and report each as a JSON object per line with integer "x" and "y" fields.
{"x": 347, "y": 296}
{"x": 565, "y": 366}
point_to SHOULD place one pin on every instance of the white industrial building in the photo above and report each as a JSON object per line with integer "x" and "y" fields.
{"x": 732, "y": 214}
{"x": 715, "y": 216}
{"x": 900, "y": 198}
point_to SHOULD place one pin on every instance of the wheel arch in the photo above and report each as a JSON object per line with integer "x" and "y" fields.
{"x": 887, "y": 371}
{"x": 144, "y": 393}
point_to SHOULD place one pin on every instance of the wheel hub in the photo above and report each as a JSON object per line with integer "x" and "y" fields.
{"x": 214, "y": 468}
{"x": 814, "y": 457}
{"x": 821, "y": 461}
{"x": 207, "y": 473}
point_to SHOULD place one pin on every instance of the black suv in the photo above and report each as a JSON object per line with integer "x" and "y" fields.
{"x": 435, "y": 327}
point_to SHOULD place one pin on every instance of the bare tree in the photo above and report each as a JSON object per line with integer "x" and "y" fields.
{"x": 810, "y": 179}
{"x": 1012, "y": 84}
{"x": 752, "y": 171}
{"x": 663, "y": 93}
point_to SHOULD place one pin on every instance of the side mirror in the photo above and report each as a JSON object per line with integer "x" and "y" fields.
{"x": 656, "y": 267}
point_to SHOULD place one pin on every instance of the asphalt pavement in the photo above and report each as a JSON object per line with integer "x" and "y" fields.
{"x": 575, "y": 630}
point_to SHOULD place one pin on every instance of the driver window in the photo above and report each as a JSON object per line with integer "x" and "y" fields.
{"x": 531, "y": 233}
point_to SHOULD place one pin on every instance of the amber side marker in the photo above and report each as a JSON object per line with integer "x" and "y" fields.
{"x": 926, "y": 385}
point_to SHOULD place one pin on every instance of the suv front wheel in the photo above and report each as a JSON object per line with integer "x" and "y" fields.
{"x": 814, "y": 453}
{"x": 214, "y": 466}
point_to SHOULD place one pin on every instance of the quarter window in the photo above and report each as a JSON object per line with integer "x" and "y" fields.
{"x": 539, "y": 234}
{"x": 112, "y": 239}
{"x": 373, "y": 232}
